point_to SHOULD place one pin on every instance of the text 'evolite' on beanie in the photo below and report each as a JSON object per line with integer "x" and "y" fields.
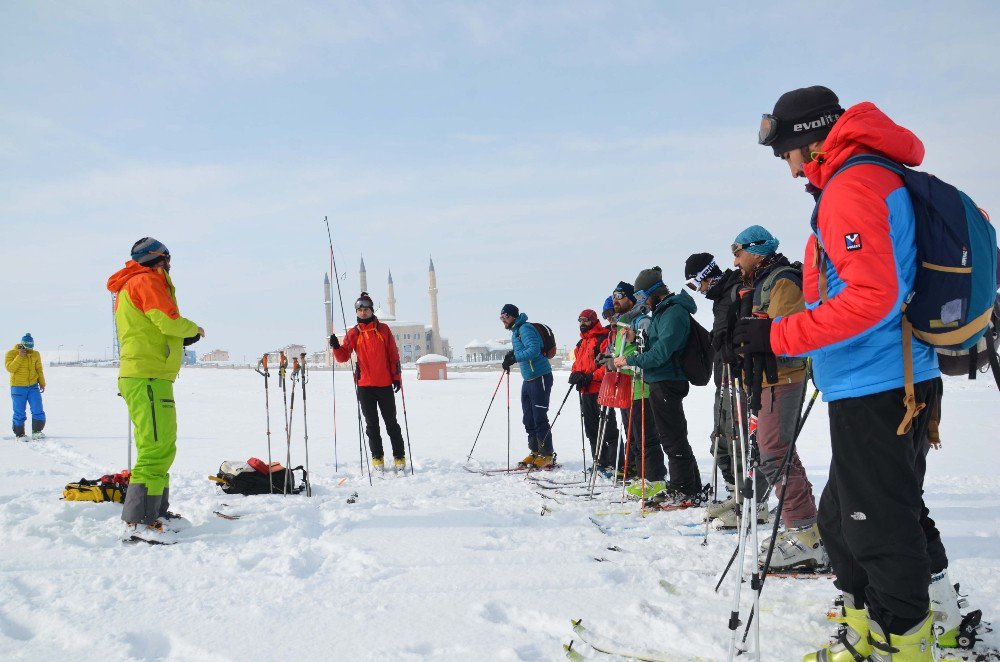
{"x": 627, "y": 290}
{"x": 27, "y": 341}
{"x": 148, "y": 252}
{"x": 649, "y": 280}
{"x": 510, "y": 310}
{"x": 805, "y": 116}
{"x": 757, "y": 240}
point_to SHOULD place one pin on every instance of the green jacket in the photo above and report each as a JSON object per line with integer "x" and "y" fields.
{"x": 623, "y": 348}
{"x": 150, "y": 328}
{"x": 667, "y": 336}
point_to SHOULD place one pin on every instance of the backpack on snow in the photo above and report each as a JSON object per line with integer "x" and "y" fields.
{"x": 548, "y": 339}
{"x": 110, "y": 487}
{"x": 698, "y": 357}
{"x": 251, "y": 477}
{"x": 954, "y": 291}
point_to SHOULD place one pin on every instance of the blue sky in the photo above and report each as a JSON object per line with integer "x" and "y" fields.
{"x": 541, "y": 152}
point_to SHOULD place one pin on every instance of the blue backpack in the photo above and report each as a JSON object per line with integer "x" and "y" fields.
{"x": 955, "y": 287}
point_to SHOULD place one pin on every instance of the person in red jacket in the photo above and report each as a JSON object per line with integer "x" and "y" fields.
{"x": 587, "y": 375}
{"x": 378, "y": 377}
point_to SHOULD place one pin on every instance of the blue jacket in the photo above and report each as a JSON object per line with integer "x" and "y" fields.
{"x": 528, "y": 349}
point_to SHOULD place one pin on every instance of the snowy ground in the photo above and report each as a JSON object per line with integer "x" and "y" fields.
{"x": 446, "y": 564}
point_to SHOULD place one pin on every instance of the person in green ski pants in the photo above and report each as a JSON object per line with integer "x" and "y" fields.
{"x": 152, "y": 335}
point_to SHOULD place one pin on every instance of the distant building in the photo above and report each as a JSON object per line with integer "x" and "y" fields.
{"x": 477, "y": 351}
{"x": 432, "y": 367}
{"x": 215, "y": 355}
{"x": 290, "y": 350}
{"x": 190, "y": 357}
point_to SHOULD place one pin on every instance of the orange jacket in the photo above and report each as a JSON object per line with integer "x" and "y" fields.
{"x": 592, "y": 343}
{"x": 378, "y": 356}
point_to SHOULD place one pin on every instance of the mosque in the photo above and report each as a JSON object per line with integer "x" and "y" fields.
{"x": 414, "y": 339}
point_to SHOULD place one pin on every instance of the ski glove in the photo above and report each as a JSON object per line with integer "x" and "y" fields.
{"x": 584, "y": 382}
{"x": 508, "y": 361}
{"x": 396, "y": 385}
{"x": 334, "y": 342}
{"x": 752, "y": 335}
{"x": 192, "y": 340}
{"x": 575, "y": 377}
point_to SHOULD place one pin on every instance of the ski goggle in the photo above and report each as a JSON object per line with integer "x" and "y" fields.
{"x": 768, "y": 131}
{"x": 618, "y": 296}
{"x": 581, "y": 320}
{"x": 692, "y": 283}
{"x": 361, "y": 305}
{"x": 736, "y": 248}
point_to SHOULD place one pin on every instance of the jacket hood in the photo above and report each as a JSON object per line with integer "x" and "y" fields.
{"x": 864, "y": 129}
{"x": 730, "y": 278}
{"x": 682, "y": 299}
{"x": 521, "y": 319}
{"x": 118, "y": 279}
{"x": 775, "y": 261}
{"x": 595, "y": 331}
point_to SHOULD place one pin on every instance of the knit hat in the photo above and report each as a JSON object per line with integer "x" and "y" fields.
{"x": 609, "y": 305}
{"x": 800, "y": 117}
{"x": 700, "y": 266}
{"x": 757, "y": 240}
{"x": 27, "y": 341}
{"x": 148, "y": 252}
{"x": 589, "y": 314}
{"x": 364, "y": 301}
{"x": 510, "y": 310}
{"x": 649, "y": 280}
{"x": 627, "y": 290}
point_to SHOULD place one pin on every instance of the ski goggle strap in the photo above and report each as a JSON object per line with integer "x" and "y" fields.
{"x": 736, "y": 248}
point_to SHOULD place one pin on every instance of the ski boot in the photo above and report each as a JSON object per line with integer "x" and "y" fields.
{"x": 798, "y": 549}
{"x": 529, "y": 460}
{"x": 651, "y": 488}
{"x": 718, "y": 508}
{"x": 173, "y": 522}
{"x": 399, "y": 464}
{"x": 19, "y": 433}
{"x": 36, "y": 430}
{"x": 916, "y": 645}
{"x": 544, "y": 461}
{"x": 37, "y": 436}
{"x": 153, "y": 534}
{"x": 729, "y": 519}
{"x": 850, "y": 644}
{"x": 953, "y": 630}
{"x": 379, "y": 464}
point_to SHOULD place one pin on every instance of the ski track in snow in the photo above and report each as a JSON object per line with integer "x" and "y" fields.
{"x": 445, "y": 564}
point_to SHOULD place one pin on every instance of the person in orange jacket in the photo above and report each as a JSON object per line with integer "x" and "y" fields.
{"x": 378, "y": 376}
{"x": 587, "y": 375}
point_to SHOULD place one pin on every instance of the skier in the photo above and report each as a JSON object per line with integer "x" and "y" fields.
{"x": 27, "y": 383}
{"x": 586, "y": 375}
{"x": 859, "y": 267}
{"x": 633, "y": 320}
{"x": 702, "y": 274}
{"x": 152, "y": 334}
{"x": 777, "y": 291}
{"x": 668, "y": 385}
{"x": 536, "y": 390}
{"x": 378, "y": 376}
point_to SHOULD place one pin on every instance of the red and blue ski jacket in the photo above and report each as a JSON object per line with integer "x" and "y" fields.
{"x": 859, "y": 265}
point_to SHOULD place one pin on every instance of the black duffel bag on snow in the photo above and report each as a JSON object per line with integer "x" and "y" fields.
{"x": 242, "y": 478}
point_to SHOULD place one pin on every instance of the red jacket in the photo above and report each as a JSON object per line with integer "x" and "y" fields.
{"x": 591, "y": 344}
{"x": 378, "y": 357}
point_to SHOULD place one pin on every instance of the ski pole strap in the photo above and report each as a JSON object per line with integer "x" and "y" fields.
{"x": 910, "y": 404}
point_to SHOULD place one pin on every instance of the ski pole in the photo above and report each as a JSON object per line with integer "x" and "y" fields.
{"x": 263, "y": 371}
{"x": 282, "y": 369}
{"x": 715, "y": 457}
{"x": 548, "y": 435}
{"x": 583, "y": 446}
{"x": 599, "y": 445}
{"x": 406, "y": 423}
{"x": 495, "y": 391}
{"x": 628, "y": 448}
{"x": 305, "y": 420}
{"x": 291, "y": 420}
{"x": 362, "y": 446}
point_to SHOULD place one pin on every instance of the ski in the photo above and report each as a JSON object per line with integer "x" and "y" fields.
{"x": 225, "y": 516}
{"x": 135, "y": 540}
{"x": 512, "y": 470}
{"x": 610, "y": 647}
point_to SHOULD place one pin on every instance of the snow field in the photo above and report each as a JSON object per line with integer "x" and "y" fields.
{"x": 446, "y": 564}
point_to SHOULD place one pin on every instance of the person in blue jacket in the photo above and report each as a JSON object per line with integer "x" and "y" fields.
{"x": 536, "y": 390}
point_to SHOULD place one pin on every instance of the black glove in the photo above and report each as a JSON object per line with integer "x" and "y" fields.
{"x": 575, "y": 377}
{"x": 508, "y": 361}
{"x": 192, "y": 340}
{"x": 396, "y": 385}
{"x": 720, "y": 339}
{"x": 334, "y": 341}
{"x": 585, "y": 381}
{"x": 752, "y": 335}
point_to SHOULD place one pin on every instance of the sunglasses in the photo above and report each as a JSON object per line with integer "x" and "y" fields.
{"x": 618, "y": 295}
{"x": 736, "y": 248}
{"x": 581, "y": 320}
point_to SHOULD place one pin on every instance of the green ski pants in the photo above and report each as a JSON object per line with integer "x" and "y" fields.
{"x": 151, "y": 408}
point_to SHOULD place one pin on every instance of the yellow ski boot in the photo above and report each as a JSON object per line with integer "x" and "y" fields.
{"x": 850, "y": 644}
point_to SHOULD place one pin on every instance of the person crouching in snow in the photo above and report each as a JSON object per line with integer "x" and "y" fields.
{"x": 27, "y": 383}
{"x": 152, "y": 334}
{"x": 536, "y": 390}
{"x": 378, "y": 377}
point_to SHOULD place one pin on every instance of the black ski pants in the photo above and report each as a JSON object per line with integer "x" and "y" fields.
{"x": 871, "y": 515}
{"x": 592, "y": 426}
{"x": 666, "y": 399}
{"x": 374, "y": 398}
